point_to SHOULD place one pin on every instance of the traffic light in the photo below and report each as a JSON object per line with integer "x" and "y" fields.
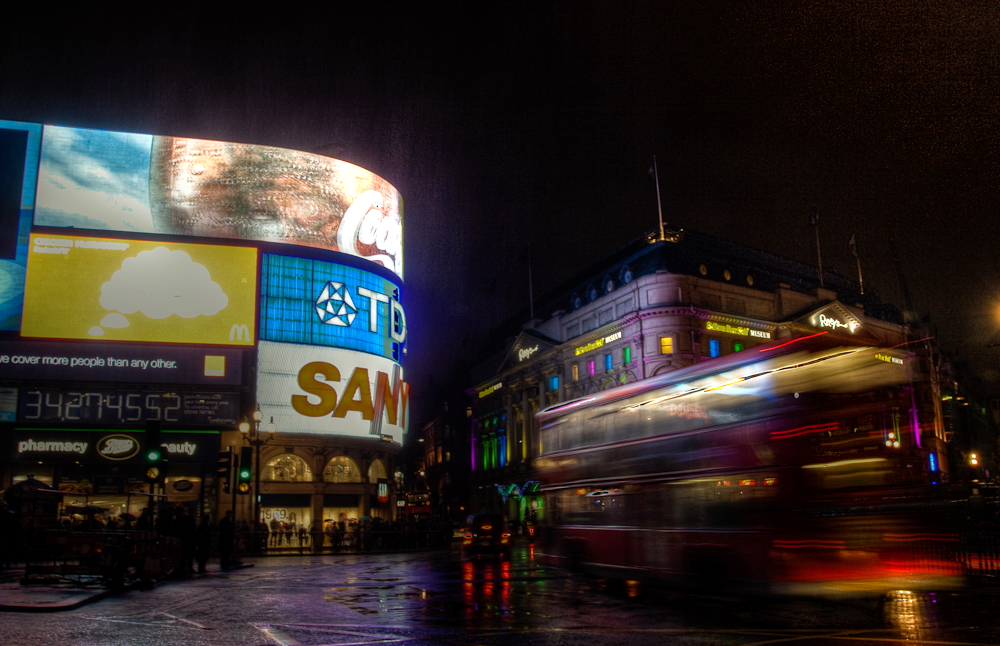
{"x": 153, "y": 450}
{"x": 225, "y": 469}
{"x": 153, "y": 453}
{"x": 244, "y": 472}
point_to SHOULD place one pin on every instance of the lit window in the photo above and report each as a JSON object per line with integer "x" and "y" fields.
{"x": 666, "y": 345}
{"x": 714, "y": 348}
{"x": 287, "y": 468}
{"x": 627, "y": 355}
{"x": 608, "y": 364}
{"x": 554, "y": 382}
{"x": 590, "y": 367}
{"x": 575, "y": 371}
{"x": 341, "y": 469}
{"x": 737, "y": 347}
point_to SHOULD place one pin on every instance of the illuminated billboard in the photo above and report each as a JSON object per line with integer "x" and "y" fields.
{"x": 134, "y": 290}
{"x": 121, "y": 362}
{"x": 323, "y": 303}
{"x": 19, "y": 145}
{"x": 308, "y": 389}
{"x": 92, "y": 179}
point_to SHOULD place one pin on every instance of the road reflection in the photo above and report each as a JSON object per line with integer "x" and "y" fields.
{"x": 912, "y": 614}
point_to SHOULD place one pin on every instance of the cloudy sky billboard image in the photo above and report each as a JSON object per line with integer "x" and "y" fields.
{"x": 133, "y": 290}
{"x": 92, "y": 179}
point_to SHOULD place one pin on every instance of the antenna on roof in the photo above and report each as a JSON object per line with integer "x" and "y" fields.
{"x": 659, "y": 207}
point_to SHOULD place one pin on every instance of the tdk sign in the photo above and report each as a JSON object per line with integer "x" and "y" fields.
{"x": 323, "y": 303}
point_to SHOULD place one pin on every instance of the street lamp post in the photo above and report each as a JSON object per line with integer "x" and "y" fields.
{"x": 251, "y": 433}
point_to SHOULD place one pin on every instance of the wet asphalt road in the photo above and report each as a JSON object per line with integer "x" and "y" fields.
{"x": 440, "y": 599}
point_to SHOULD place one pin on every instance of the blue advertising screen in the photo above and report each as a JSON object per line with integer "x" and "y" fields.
{"x": 19, "y": 146}
{"x": 323, "y": 303}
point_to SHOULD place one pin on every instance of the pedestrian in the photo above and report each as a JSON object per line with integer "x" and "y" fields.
{"x": 203, "y": 546}
{"x": 240, "y": 543}
{"x": 227, "y": 536}
{"x": 10, "y": 536}
{"x": 187, "y": 532}
{"x": 145, "y": 519}
{"x": 275, "y": 532}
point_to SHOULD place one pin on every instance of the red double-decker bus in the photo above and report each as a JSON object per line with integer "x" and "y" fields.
{"x": 783, "y": 466}
{"x": 417, "y": 505}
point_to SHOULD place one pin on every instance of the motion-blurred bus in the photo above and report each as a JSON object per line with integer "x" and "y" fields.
{"x": 782, "y": 467}
{"x": 418, "y": 505}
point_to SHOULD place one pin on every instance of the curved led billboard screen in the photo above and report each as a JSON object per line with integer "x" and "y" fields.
{"x": 324, "y": 303}
{"x": 93, "y": 179}
{"x": 132, "y": 264}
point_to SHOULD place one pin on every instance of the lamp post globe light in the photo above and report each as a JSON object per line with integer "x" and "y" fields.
{"x": 252, "y": 434}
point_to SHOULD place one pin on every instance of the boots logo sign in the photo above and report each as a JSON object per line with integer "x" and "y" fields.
{"x": 117, "y": 447}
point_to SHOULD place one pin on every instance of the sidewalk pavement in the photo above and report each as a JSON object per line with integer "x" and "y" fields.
{"x": 56, "y": 596}
{"x": 48, "y": 597}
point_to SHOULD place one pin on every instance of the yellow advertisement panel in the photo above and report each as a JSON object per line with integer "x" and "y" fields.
{"x": 135, "y": 290}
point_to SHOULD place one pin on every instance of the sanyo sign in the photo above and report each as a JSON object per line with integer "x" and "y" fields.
{"x": 322, "y": 303}
{"x": 332, "y": 391}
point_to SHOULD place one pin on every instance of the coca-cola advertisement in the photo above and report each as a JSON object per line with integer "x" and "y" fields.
{"x": 92, "y": 179}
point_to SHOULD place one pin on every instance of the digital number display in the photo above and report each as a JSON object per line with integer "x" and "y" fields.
{"x": 127, "y": 407}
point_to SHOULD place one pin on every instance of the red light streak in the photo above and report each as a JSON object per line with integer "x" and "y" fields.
{"x": 805, "y": 430}
{"x": 801, "y": 338}
{"x": 905, "y": 538}
{"x": 808, "y": 544}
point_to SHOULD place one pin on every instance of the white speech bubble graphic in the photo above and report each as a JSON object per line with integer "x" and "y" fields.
{"x": 161, "y": 282}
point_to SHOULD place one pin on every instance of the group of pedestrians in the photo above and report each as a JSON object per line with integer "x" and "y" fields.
{"x": 286, "y": 533}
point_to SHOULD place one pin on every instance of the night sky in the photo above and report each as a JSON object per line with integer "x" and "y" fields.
{"x": 504, "y": 127}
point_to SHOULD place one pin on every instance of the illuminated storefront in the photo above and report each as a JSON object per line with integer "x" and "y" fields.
{"x": 107, "y": 468}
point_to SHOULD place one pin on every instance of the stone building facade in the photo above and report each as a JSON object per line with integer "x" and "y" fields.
{"x": 656, "y": 306}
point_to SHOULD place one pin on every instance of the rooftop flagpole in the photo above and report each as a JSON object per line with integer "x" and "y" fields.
{"x": 853, "y": 246}
{"x": 659, "y": 206}
{"x": 531, "y": 288}
{"x": 814, "y": 221}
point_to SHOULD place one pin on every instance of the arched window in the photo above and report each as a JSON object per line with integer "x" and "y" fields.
{"x": 376, "y": 471}
{"x": 287, "y": 468}
{"x": 340, "y": 470}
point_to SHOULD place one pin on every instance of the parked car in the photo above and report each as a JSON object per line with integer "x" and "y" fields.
{"x": 486, "y": 534}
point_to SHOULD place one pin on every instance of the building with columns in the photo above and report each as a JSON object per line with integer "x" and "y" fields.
{"x": 655, "y": 306}
{"x": 306, "y": 481}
